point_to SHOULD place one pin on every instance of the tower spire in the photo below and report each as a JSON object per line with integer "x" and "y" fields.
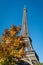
{"x": 24, "y": 23}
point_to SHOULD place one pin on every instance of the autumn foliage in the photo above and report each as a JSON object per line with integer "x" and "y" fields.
{"x": 11, "y": 47}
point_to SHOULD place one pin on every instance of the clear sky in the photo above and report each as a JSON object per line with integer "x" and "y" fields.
{"x": 11, "y": 12}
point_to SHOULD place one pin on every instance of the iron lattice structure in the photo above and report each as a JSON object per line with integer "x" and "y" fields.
{"x": 30, "y": 55}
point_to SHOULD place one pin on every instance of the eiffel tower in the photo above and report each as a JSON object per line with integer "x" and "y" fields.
{"x": 30, "y": 55}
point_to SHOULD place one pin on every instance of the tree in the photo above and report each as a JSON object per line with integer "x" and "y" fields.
{"x": 39, "y": 64}
{"x": 11, "y": 47}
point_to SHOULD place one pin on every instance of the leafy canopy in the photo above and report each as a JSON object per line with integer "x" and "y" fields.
{"x": 11, "y": 47}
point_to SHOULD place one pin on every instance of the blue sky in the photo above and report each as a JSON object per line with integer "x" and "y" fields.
{"x": 11, "y": 12}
